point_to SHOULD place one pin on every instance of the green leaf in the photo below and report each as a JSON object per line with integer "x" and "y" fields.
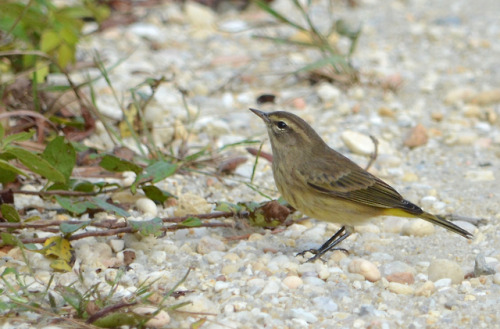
{"x": 115, "y": 164}
{"x": 191, "y": 222}
{"x": 49, "y": 41}
{"x": 159, "y": 171}
{"x": 338, "y": 62}
{"x": 76, "y": 207}
{"x": 37, "y": 164}
{"x": 68, "y": 228}
{"x": 100, "y": 203}
{"x": 228, "y": 206}
{"x": 10, "y": 213}
{"x": 84, "y": 186}
{"x": 65, "y": 55}
{"x": 7, "y": 176}
{"x": 24, "y": 136}
{"x": 267, "y": 8}
{"x": 61, "y": 155}
{"x": 9, "y": 239}
{"x": 4, "y": 165}
{"x": 119, "y": 319}
{"x": 148, "y": 227}
{"x": 156, "y": 194}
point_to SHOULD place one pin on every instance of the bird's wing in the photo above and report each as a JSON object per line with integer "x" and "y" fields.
{"x": 346, "y": 180}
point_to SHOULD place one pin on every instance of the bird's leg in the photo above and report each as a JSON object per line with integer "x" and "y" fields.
{"x": 337, "y": 238}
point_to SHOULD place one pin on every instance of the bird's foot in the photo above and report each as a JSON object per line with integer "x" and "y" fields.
{"x": 318, "y": 253}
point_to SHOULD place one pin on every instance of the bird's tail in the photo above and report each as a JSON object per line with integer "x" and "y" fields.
{"x": 441, "y": 221}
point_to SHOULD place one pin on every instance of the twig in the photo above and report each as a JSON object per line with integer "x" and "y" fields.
{"x": 374, "y": 155}
{"x": 106, "y": 310}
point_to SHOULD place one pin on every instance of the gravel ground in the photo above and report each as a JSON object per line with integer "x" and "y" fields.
{"x": 442, "y": 56}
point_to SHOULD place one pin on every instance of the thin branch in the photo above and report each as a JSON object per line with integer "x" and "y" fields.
{"x": 374, "y": 155}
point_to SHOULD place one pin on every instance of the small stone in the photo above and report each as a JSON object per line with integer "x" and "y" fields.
{"x": 472, "y": 111}
{"x": 437, "y": 116}
{"x": 147, "y": 206}
{"x": 400, "y": 288}
{"x": 491, "y": 115}
{"x": 426, "y": 289}
{"x": 199, "y": 304}
{"x": 418, "y": 227}
{"x": 410, "y": 177}
{"x": 417, "y": 137}
{"x": 125, "y": 197}
{"x": 496, "y": 278}
{"x": 479, "y": 175}
{"x": 366, "y": 268}
{"x": 486, "y": 97}
{"x": 480, "y": 266}
{"x": 293, "y": 282}
{"x": 117, "y": 245}
{"x": 325, "y": 304}
{"x": 461, "y": 94}
{"x": 190, "y": 203}
{"x": 367, "y": 228}
{"x": 229, "y": 269}
{"x": 301, "y": 313}
{"x": 160, "y": 320}
{"x": 328, "y": 93}
{"x": 199, "y": 16}
{"x": 358, "y": 143}
{"x": 394, "y": 224}
{"x": 401, "y": 277}
{"x": 272, "y": 288}
{"x": 386, "y": 112}
{"x": 208, "y": 244}
{"x": 399, "y": 272}
{"x": 445, "y": 268}
{"x": 299, "y": 103}
{"x": 442, "y": 283}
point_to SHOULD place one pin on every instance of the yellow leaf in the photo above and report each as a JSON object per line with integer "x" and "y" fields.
{"x": 131, "y": 115}
{"x": 60, "y": 265}
{"x": 58, "y": 247}
{"x": 65, "y": 55}
{"x": 49, "y": 41}
{"x": 42, "y": 70}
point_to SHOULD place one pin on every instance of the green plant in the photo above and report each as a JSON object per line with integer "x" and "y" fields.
{"x": 40, "y": 25}
{"x": 335, "y": 64}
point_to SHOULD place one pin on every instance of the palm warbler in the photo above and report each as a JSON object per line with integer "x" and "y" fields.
{"x": 326, "y": 185}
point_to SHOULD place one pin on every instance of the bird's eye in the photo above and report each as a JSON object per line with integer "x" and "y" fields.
{"x": 281, "y": 125}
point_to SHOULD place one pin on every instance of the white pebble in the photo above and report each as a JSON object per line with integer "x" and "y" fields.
{"x": 366, "y": 268}
{"x": 147, "y": 206}
{"x": 496, "y": 278}
{"x": 304, "y": 315}
{"x": 418, "y": 227}
{"x": 479, "y": 175}
{"x": 442, "y": 283}
{"x": 117, "y": 245}
{"x": 198, "y": 15}
{"x": 272, "y": 287}
{"x": 357, "y": 142}
{"x": 208, "y": 244}
{"x": 293, "y": 282}
{"x": 328, "y": 92}
{"x": 445, "y": 268}
{"x": 325, "y": 304}
{"x": 400, "y": 288}
{"x": 160, "y": 320}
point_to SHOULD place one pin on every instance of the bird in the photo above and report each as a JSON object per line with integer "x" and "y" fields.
{"x": 324, "y": 184}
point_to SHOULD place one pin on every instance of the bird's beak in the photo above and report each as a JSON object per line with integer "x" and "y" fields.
{"x": 262, "y": 115}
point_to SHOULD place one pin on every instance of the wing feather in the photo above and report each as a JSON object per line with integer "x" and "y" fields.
{"x": 345, "y": 179}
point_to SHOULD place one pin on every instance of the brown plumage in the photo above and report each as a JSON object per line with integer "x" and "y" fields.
{"x": 326, "y": 185}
